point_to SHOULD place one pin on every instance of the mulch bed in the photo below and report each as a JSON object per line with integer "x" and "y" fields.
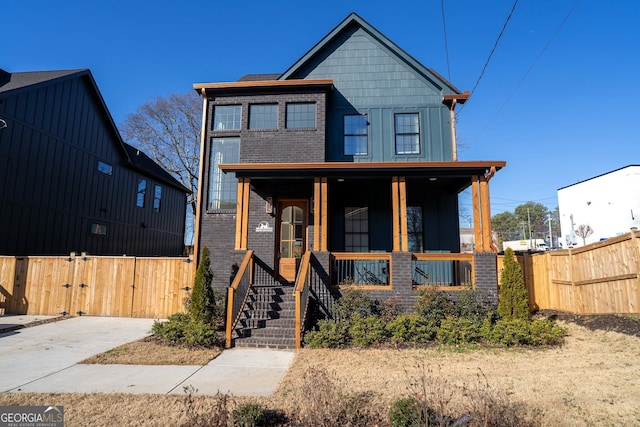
{"x": 625, "y": 324}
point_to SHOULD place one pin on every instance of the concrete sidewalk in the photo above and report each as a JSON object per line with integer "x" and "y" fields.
{"x": 45, "y": 359}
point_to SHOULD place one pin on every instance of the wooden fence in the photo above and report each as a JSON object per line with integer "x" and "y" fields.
{"x": 599, "y": 278}
{"x": 94, "y": 285}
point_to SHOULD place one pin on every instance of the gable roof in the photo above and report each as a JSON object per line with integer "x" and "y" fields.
{"x": 355, "y": 20}
{"x": 10, "y": 82}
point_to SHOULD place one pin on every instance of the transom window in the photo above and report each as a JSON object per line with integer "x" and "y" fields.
{"x": 355, "y": 135}
{"x": 301, "y": 115}
{"x": 142, "y": 190}
{"x": 407, "y": 129}
{"x": 223, "y": 188}
{"x": 356, "y": 229}
{"x": 227, "y": 117}
{"x": 157, "y": 198}
{"x": 263, "y": 116}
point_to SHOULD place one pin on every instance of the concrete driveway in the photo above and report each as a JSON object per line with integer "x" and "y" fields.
{"x": 45, "y": 358}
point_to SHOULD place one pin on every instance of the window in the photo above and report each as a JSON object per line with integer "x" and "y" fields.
{"x": 355, "y": 135}
{"x": 414, "y": 228}
{"x": 301, "y": 116}
{"x": 263, "y": 116}
{"x": 356, "y": 229}
{"x": 105, "y": 168}
{"x": 142, "y": 190}
{"x": 99, "y": 229}
{"x": 407, "y": 133}
{"x": 223, "y": 187}
{"x": 157, "y": 197}
{"x": 227, "y": 117}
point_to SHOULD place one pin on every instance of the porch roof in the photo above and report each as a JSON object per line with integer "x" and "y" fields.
{"x": 452, "y": 169}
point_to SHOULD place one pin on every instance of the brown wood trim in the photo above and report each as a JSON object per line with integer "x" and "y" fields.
{"x": 395, "y": 209}
{"x": 442, "y": 257}
{"x": 561, "y": 282}
{"x": 229, "y": 329}
{"x": 361, "y": 255}
{"x": 263, "y": 83}
{"x": 317, "y": 203}
{"x": 477, "y": 224}
{"x": 243, "y": 266}
{"x": 485, "y": 205}
{"x": 325, "y": 214}
{"x": 245, "y": 212}
{"x": 402, "y": 187}
{"x": 239, "y": 200}
{"x": 488, "y": 164}
{"x": 444, "y": 288}
{"x": 630, "y": 276}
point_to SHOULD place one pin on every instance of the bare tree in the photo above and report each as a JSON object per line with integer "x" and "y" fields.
{"x": 168, "y": 131}
{"x": 584, "y": 231}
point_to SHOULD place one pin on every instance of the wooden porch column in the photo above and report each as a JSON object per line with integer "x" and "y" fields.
{"x": 399, "y": 210}
{"x": 242, "y": 213}
{"x": 477, "y": 220}
{"x": 320, "y": 214}
{"x": 485, "y": 203}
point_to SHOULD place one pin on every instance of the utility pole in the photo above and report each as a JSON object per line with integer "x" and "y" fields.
{"x": 550, "y": 235}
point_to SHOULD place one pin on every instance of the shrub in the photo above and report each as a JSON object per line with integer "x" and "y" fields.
{"x": 508, "y": 332}
{"x": 411, "y": 328}
{"x": 173, "y": 330}
{"x": 471, "y": 305}
{"x": 329, "y": 334}
{"x": 353, "y": 301}
{"x": 433, "y": 305}
{"x": 387, "y": 310}
{"x": 406, "y": 412}
{"x": 202, "y": 306}
{"x": 249, "y": 415}
{"x": 546, "y": 332}
{"x": 513, "y": 300}
{"x": 459, "y": 330}
{"x": 367, "y": 331}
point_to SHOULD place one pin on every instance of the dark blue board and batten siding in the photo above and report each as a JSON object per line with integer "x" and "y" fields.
{"x": 51, "y": 191}
{"x": 370, "y": 79}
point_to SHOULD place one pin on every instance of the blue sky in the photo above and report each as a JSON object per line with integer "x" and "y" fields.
{"x": 558, "y": 106}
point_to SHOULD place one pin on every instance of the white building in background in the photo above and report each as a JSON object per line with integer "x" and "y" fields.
{"x": 608, "y": 203}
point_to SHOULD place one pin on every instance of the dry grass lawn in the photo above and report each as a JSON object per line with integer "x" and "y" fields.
{"x": 593, "y": 380}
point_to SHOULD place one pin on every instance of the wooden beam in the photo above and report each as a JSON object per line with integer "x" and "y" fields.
{"x": 317, "y": 207}
{"x": 245, "y": 211}
{"x": 485, "y": 203}
{"x": 404, "y": 237}
{"x": 477, "y": 220}
{"x": 239, "y": 200}
{"x": 325, "y": 213}
{"x": 395, "y": 209}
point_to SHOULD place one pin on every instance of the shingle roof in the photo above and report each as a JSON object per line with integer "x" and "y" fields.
{"x": 12, "y": 81}
{"x": 258, "y": 77}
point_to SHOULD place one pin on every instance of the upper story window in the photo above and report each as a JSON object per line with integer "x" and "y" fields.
{"x": 98, "y": 229}
{"x": 157, "y": 198}
{"x": 227, "y": 117}
{"x": 355, "y": 135}
{"x": 142, "y": 191}
{"x": 263, "y": 116}
{"x": 223, "y": 188}
{"x": 301, "y": 115}
{"x": 407, "y": 129}
{"x": 105, "y": 168}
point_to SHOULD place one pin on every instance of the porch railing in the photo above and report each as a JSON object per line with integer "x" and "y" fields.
{"x": 237, "y": 295}
{"x": 448, "y": 271}
{"x": 301, "y": 292}
{"x": 361, "y": 269}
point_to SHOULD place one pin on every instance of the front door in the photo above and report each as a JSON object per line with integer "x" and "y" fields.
{"x": 292, "y": 237}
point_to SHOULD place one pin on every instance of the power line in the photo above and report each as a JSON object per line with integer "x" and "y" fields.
{"x": 495, "y": 45}
{"x": 446, "y": 44}
{"x": 526, "y": 74}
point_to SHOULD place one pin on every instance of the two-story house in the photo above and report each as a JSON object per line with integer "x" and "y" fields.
{"x": 69, "y": 183}
{"x": 341, "y": 171}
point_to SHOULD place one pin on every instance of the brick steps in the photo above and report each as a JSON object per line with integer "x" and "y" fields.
{"x": 268, "y": 318}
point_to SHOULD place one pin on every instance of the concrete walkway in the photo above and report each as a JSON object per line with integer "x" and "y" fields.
{"x": 44, "y": 358}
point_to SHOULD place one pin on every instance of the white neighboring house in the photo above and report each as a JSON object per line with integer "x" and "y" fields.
{"x": 608, "y": 203}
